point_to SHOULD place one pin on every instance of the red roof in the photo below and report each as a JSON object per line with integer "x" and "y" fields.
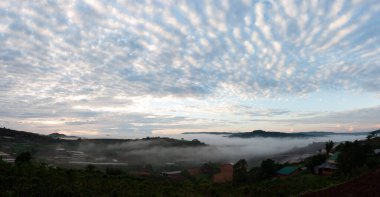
{"x": 225, "y": 174}
{"x": 194, "y": 171}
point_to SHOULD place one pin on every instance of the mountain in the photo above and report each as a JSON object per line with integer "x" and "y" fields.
{"x": 23, "y": 136}
{"x": 212, "y": 133}
{"x": 17, "y": 136}
{"x": 56, "y": 135}
{"x": 62, "y": 150}
{"x": 261, "y": 133}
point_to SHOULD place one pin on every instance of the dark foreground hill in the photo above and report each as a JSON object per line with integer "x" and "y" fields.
{"x": 365, "y": 185}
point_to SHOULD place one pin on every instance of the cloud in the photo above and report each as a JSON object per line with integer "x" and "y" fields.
{"x": 358, "y": 119}
{"x": 101, "y": 50}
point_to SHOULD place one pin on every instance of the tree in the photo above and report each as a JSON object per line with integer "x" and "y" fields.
{"x": 315, "y": 160}
{"x": 268, "y": 167}
{"x": 328, "y": 146}
{"x": 373, "y": 134}
{"x": 90, "y": 168}
{"x": 209, "y": 169}
{"x": 114, "y": 171}
{"x": 240, "y": 171}
{"x": 353, "y": 155}
{"x": 23, "y": 158}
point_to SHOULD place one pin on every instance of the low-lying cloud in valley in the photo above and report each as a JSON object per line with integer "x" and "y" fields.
{"x": 219, "y": 149}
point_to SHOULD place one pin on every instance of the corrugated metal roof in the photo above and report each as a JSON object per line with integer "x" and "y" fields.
{"x": 327, "y": 165}
{"x": 287, "y": 170}
{"x": 334, "y": 157}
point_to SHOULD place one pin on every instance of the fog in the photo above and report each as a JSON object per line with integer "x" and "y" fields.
{"x": 219, "y": 149}
{"x": 228, "y": 149}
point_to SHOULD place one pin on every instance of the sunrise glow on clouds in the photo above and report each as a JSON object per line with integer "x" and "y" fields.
{"x": 116, "y": 67}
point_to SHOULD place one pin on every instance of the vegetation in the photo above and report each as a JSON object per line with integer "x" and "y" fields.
{"x": 354, "y": 156}
{"x": 315, "y": 160}
{"x": 23, "y": 158}
{"x": 373, "y": 134}
{"x": 40, "y": 180}
{"x": 329, "y": 146}
{"x": 209, "y": 169}
{"x": 240, "y": 171}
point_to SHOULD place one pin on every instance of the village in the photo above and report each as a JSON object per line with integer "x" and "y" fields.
{"x": 335, "y": 163}
{"x": 218, "y": 173}
{"x": 62, "y": 151}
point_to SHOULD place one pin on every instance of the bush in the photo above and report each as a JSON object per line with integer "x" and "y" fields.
{"x": 23, "y": 158}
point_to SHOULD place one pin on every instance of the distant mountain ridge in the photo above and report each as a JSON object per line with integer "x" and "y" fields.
{"x": 275, "y": 134}
{"x": 261, "y": 133}
{"x": 56, "y": 138}
{"x": 56, "y": 135}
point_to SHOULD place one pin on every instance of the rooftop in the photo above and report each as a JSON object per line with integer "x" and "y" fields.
{"x": 333, "y": 158}
{"x": 327, "y": 165}
{"x": 287, "y": 170}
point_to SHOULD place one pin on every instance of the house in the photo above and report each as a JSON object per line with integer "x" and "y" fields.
{"x": 325, "y": 168}
{"x": 333, "y": 158}
{"x": 194, "y": 171}
{"x": 8, "y": 137}
{"x": 170, "y": 173}
{"x": 6, "y": 157}
{"x": 59, "y": 149}
{"x": 225, "y": 174}
{"x": 174, "y": 175}
{"x": 2, "y": 154}
{"x": 329, "y": 167}
{"x": 77, "y": 155}
{"x": 288, "y": 171}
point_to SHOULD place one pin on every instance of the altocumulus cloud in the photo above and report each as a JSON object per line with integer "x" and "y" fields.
{"x": 113, "y": 66}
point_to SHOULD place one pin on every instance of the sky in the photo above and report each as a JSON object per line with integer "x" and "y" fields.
{"x": 120, "y": 67}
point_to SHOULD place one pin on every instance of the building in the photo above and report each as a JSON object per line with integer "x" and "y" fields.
{"x": 6, "y": 157}
{"x": 174, "y": 175}
{"x": 194, "y": 171}
{"x": 333, "y": 159}
{"x": 325, "y": 169}
{"x": 288, "y": 171}
{"x": 329, "y": 167}
{"x": 225, "y": 174}
{"x": 77, "y": 155}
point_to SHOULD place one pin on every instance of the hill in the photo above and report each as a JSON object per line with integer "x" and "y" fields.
{"x": 261, "y": 133}
{"x": 365, "y": 185}
{"x": 6, "y": 133}
{"x": 275, "y": 134}
{"x": 60, "y": 149}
